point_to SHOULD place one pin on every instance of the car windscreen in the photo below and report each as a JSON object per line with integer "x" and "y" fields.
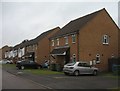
{"x": 70, "y": 64}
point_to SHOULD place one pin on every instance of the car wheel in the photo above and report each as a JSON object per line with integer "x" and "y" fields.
{"x": 94, "y": 72}
{"x": 76, "y": 73}
{"x": 66, "y": 73}
{"x": 18, "y": 67}
{"x": 22, "y": 67}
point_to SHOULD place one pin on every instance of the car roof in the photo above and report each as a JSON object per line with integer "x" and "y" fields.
{"x": 81, "y": 62}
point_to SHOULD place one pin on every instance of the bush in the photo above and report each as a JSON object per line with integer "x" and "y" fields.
{"x": 58, "y": 67}
{"x": 53, "y": 67}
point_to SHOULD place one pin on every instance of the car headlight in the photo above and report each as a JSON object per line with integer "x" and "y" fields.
{"x": 71, "y": 67}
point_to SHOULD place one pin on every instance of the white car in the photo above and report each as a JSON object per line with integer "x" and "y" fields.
{"x": 6, "y": 62}
{"x": 78, "y": 68}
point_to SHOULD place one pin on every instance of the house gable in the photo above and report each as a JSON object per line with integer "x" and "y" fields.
{"x": 91, "y": 39}
{"x": 43, "y": 48}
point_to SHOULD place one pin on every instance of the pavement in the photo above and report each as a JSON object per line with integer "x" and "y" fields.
{"x": 60, "y": 81}
{"x": 0, "y": 78}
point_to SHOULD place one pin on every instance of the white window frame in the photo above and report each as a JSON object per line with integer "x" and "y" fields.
{"x": 74, "y": 58}
{"x": 53, "y": 43}
{"x": 6, "y": 54}
{"x": 105, "y": 39}
{"x": 73, "y": 40}
{"x": 98, "y": 58}
{"x": 66, "y": 40}
{"x": 58, "y": 42}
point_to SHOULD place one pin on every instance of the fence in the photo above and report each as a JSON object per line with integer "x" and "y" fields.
{"x": 116, "y": 69}
{"x": 113, "y": 63}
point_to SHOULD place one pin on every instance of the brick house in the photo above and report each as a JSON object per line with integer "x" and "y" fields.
{"x": 19, "y": 51}
{"x": 92, "y": 38}
{"x": 43, "y": 45}
{"x": 36, "y": 49}
{"x": 0, "y": 53}
{"x": 5, "y": 52}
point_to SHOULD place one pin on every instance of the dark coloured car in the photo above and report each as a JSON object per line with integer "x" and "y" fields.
{"x": 28, "y": 64}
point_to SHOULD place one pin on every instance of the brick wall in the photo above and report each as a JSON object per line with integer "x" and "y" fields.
{"x": 91, "y": 40}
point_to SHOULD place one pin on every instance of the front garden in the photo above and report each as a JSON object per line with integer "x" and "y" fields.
{"x": 43, "y": 71}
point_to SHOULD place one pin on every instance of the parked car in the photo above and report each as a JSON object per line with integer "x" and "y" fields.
{"x": 78, "y": 68}
{"x": 28, "y": 64}
{"x": 6, "y": 62}
{"x": 9, "y": 62}
{"x": 19, "y": 61}
{"x": 1, "y": 62}
{"x": 45, "y": 64}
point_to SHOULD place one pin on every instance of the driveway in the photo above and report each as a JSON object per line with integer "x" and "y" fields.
{"x": 60, "y": 81}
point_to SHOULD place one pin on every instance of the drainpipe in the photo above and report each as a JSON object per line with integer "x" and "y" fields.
{"x": 49, "y": 47}
{"x": 78, "y": 43}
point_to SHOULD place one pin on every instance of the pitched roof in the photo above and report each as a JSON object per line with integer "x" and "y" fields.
{"x": 41, "y": 36}
{"x": 35, "y": 40}
{"x": 76, "y": 25}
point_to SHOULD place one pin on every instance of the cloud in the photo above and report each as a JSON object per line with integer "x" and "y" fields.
{"x": 26, "y": 20}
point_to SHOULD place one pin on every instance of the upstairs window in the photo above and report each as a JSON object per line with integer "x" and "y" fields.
{"x": 73, "y": 38}
{"x": 53, "y": 43}
{"x": 58, "y": 42}
{"x": 66, "y": 40}
{"x": 105, "y": 39}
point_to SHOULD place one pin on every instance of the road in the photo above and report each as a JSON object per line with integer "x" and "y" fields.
{"x": 72, "y": 82}
{"x": 25, "y": 80}
{"x": 10, "y": 81}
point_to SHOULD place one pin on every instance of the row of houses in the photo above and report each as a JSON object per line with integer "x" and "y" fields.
{"x": 36, "y": 49}
{"x": 93, "y": 38}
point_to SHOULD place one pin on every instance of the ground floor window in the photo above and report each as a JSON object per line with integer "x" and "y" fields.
{"x": 97, "y": 58}
{"x": 74, "y": 58}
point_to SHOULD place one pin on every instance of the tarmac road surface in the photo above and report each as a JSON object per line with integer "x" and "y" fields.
{"x": 55, "y": 81}
{"x": 10, "y": 81}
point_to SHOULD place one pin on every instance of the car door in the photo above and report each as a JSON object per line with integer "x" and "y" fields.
{"x": 81, "y": 68}
{"x": 87, "y": 68}
{"x": 31, "y": 64}
{"x": 25, "y": 63}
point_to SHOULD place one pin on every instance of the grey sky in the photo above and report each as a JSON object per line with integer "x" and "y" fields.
{"x": 27, "y": 20}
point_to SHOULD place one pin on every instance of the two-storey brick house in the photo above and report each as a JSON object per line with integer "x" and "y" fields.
{"x": 0, "y": 53}
{"x": 5, "y": 52}
{"x": 36, "y": 49}
{"x": 92, "y": 38}
{"x": 43, "y": 45}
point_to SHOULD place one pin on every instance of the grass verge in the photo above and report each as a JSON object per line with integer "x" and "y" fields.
{"x": 42, "y": 71}
{"x": 9, "y": 65}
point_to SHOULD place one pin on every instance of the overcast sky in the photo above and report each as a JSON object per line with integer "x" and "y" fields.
{"x": 27, "y": 20}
